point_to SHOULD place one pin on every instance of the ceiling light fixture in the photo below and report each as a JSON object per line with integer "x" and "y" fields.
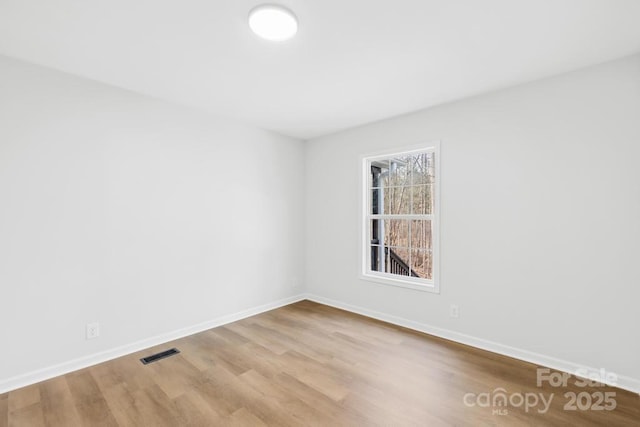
{"x": 273, "y": 22}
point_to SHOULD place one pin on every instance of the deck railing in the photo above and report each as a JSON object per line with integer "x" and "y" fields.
{"x": 396, "y": 265}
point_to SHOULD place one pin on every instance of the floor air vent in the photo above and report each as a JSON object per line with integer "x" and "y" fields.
{"x": 158, "y": 356}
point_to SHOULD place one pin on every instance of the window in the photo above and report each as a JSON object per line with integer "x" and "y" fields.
{"x": 400, "y": 218}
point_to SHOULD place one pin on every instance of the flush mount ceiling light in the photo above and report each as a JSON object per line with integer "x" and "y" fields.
{"x": 273, "y": 22}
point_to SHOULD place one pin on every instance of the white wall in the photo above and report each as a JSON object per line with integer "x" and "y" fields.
{"x": 126, "y": 210}
{"x": 540, "y": 237}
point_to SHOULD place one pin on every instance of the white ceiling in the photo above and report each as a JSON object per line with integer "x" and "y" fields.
{"x": 352, "y": 62}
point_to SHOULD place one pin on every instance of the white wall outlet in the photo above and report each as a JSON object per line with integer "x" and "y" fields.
{"x": 93, "y": 330}
{"x": 454, "y": 311}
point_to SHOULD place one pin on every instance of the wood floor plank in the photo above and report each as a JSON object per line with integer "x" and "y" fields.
{"x": 262, "y": 336}
{"x": 243, "y": 417}
{"x": 122, "y": 404}
{"x": 320, "y": 401}
{"x": 194, "y": 411}
{"x": 216, "y": 393}
{"x": 4, "y": 410}
{"x": 286, "y": 402}
{"x": 228, "y": 334}
{"x": 316, "y": 375}
{"x": 155, "y": 407}
{"x": 175, "y": 375}
{"x": 58, "y": 405}
{"x": 304, "y": 364}
{"x": 24, "y": 397}
{"x": 89, "y": 400}
{"x": 27, "y": 416}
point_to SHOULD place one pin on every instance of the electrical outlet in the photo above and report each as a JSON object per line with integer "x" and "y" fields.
{"x": 93, "y": 330}
{"x": 454, "y": 311}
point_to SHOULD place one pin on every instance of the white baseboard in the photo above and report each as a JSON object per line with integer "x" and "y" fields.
{"x": 29, "y": 378}
{"x": 623, "y": 382}
{"x": 93, "y": 359}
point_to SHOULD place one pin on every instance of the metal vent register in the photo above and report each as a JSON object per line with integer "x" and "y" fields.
{"x": 158, "y": 356}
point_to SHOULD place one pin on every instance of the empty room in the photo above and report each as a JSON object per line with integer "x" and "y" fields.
{"x": 319, "y": 213}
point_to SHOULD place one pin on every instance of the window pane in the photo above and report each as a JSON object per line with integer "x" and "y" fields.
{"x": 378, "y": 179}
{"x": 422, "y": 200}
{"x": 421, "y": 263}
{"x": 379, "y": 175}
{"x": 398, "y": 261}
{"x": 377, "y": 201}
{"x": 376, "y": 231}
{"x": 421, "y": 234}
{"x": 423, "y": 168}
{"x": 396, "y": 232}
{"x": 377, "y": 258}
{"x": 400, "y": 171}
{"x": 397, "y": 200}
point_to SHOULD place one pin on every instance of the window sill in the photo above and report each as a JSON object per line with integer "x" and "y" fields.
{"x": 385, "y": 280}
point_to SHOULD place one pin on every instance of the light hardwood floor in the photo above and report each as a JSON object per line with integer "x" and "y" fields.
{"x": 303, "y": 364}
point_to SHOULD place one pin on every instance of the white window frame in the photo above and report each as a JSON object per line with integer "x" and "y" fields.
{"x": 427, "y": 285}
